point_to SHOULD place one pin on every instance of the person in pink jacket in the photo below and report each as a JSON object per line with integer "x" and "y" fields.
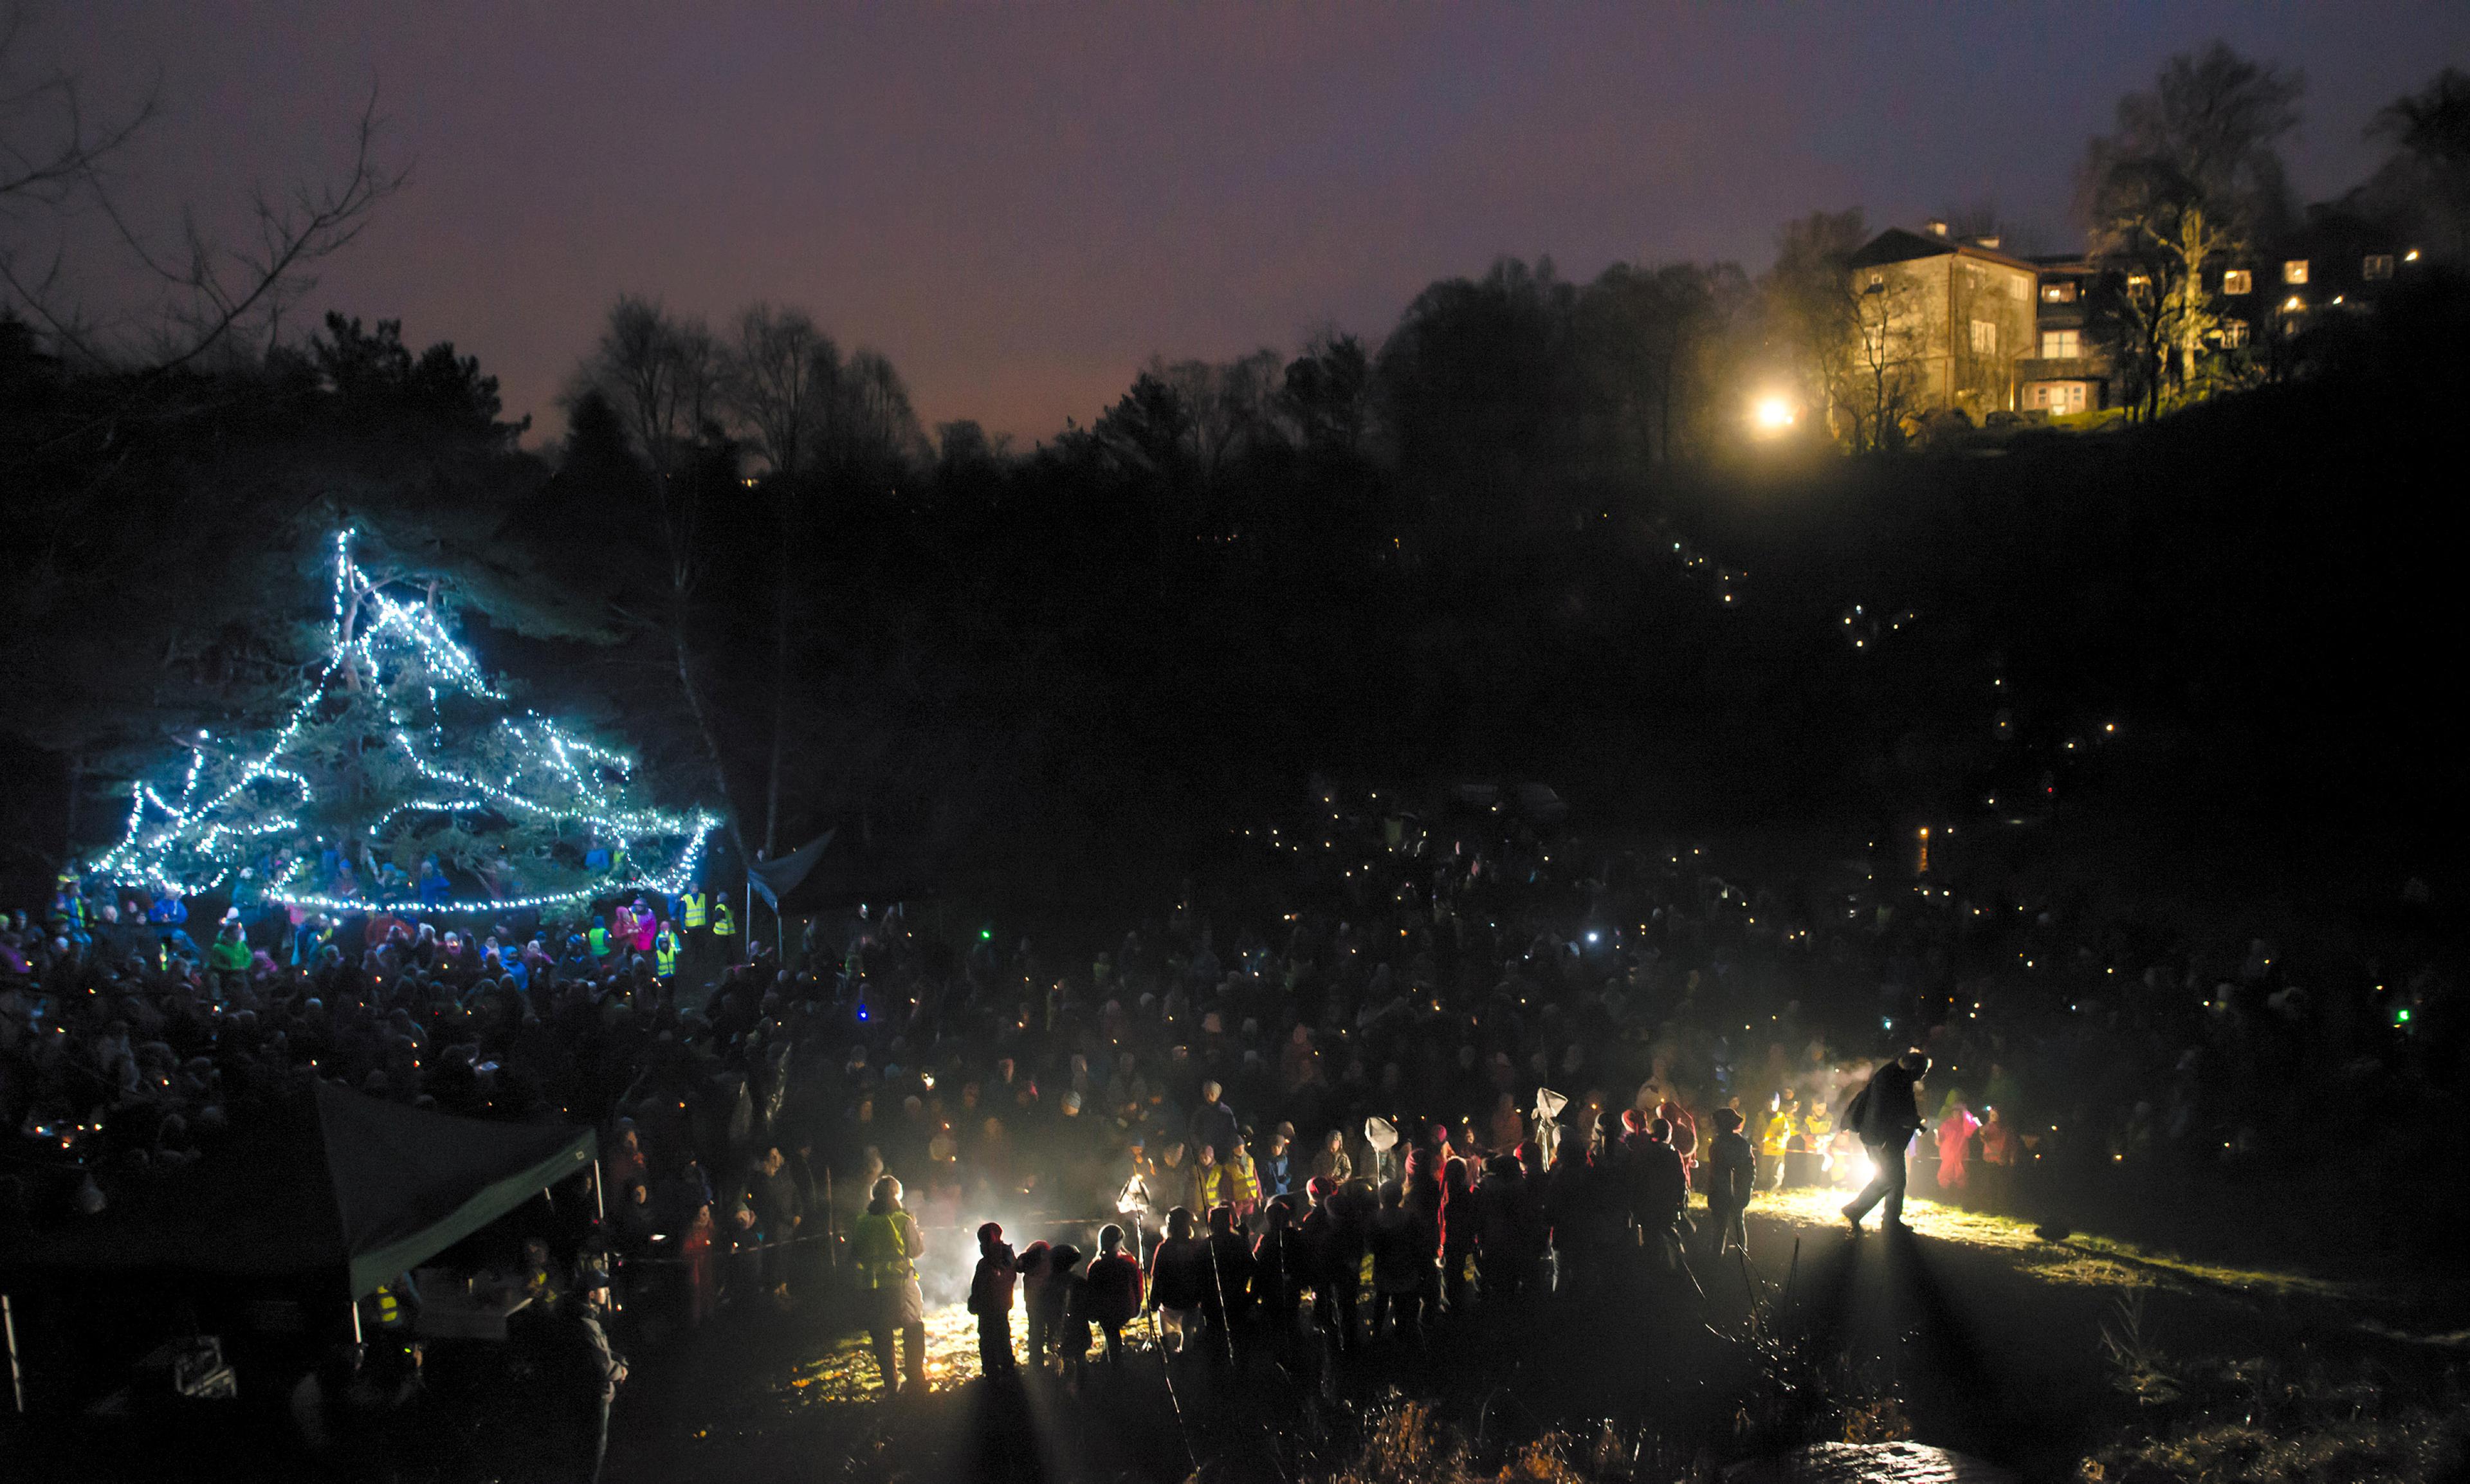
{"x": 1955, "y": 1129}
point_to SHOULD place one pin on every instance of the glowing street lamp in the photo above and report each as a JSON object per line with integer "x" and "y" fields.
{"x": 1772, "y": 416}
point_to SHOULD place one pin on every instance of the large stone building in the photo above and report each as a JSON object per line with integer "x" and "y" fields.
{"x": 1944, "y": 322}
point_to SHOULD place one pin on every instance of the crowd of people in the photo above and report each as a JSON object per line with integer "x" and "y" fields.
{"x": 1443, "y": 1060}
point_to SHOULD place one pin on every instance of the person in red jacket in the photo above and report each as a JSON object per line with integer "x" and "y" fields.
{"x": 1113, "y": 1291}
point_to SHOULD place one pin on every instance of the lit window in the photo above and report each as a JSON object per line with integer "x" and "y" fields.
{"x": 2376, "y": 265}
{"x": 2233, "y": 333}
{"x": 1985, "y": 338}
{"x": 2295, "y": 271}
{"x": 2238, "y": 281}
{"x": 2059, "y": 293}
{"x": 2060, "y": 344}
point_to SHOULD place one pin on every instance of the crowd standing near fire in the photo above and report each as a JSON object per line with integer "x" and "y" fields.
{"x": 1479, "y": 1061}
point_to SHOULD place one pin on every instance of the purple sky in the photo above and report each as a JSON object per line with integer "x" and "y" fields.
{"x": 1020, "y": 204}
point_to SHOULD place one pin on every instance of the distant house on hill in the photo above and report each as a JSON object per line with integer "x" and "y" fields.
{"x": 1949, "y": 316}
{"x": 2070, "y": 366}
{"x": 2258, "y": 300}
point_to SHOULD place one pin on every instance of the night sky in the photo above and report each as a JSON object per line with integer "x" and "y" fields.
{"x": 1019, "y": 206}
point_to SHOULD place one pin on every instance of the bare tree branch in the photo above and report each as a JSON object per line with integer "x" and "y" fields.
{"x": 48, "y": 149}
{"x": 206, "y": 292}
{"x": 293, "y": 236}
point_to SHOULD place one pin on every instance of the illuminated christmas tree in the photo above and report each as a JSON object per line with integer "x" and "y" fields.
{"x": 403, "y": 755}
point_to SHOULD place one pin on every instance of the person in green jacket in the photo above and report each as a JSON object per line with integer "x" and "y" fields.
{"x": 886, "y": 1245}
{"x": 230, "y": 957}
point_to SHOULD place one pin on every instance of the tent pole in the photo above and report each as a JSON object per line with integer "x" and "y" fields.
{"x": 356, "y": 1322}
{"x": 16, "y": 1377}
{"x": 599, "y": 1207}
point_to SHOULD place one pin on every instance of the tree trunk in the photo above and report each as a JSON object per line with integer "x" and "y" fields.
{"x": 779, "y": 699}
{"x": 710, "y": 738}
{"x": 77, "y": 786}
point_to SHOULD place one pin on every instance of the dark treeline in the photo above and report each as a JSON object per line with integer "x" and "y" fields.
{"x": 1524, "y": 535}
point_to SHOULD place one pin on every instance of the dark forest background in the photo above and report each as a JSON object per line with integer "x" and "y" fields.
{"x": 1525, "y": 536}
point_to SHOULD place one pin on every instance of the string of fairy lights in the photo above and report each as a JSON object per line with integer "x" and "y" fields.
{"x": 203, "y": 837}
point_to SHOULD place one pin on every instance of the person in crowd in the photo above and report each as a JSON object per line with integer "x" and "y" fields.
{"x": 1997, "y": 1160}
{"x": 1317, "y": 1240}
{"x": 1956, "y": 1128}
{"x": 1588, "y": 1210}
{"x": 1242, "y": 1184}
{"x": 1206, "y": 1181}
{"x": 781, "y": 1207}
{"x": 886, "y": 1245}
{"x": 1459, "y": 1221}
{"x": 597, "y": 1370}
{"x": 1279, "y": 1172}
{"x": 1278, "y": 1272}
{"x": 1067, "y": 1299}
{"x": 1041, "y": 1301}
{"x": 695, "y": 1250}
{"x": 1732, "y": 1170}
{"x": 624, "y": 1164}
{"x": 1332, "y": 1162}
{"x": 1503, "y": 1266}
{"x": 1659, "y": 1189}
{"x": 1178, "y": 1281}
{"x": 1684, "y": 1130}
{"x": 1404, "y": 1276}
{"x": 1226, "y": 1300}
{"x": 990, "y": 1293}
{"x": 1885, "y": 1114}
{"x": 1783, "y": 1127}
{"x": 1113, "y": 1289}
{"x": 1214, "y": 1125}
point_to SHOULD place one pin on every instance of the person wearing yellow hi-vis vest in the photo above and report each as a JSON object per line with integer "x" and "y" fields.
{"x": 886, "y": 1245}
{"x": 389, "y": 1308}
{"x": 724, "y": 926}
{"x": 665, "y": 953}
{"x": 693, "y": 909}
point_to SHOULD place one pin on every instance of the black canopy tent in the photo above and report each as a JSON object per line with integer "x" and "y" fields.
{"x": 332, "y": 1182}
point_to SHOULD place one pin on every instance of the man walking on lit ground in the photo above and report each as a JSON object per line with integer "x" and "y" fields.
{"x": 1886, "y": 1114}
